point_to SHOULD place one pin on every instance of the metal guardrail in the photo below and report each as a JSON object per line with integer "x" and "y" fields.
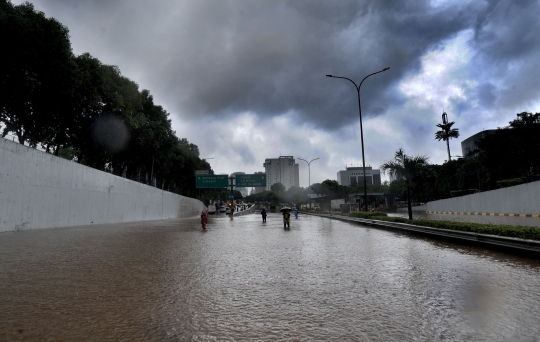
{"x": 530, "y": 247}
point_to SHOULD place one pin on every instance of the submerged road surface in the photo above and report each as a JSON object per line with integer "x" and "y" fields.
{"x": 243, "y": 280}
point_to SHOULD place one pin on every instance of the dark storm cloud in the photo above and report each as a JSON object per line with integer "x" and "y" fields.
{"x": 215, "y": 58}
{"x": 273, "y": 59}
{"x": 508, "y": 51}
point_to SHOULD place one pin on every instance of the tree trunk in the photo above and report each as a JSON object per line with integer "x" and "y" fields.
{"x": 448, "y": 149}
{"x": 21, "y": 137}
{"x": 409, "y": 200}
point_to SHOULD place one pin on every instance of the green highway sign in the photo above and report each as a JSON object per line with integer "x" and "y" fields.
{"x": 255, "y": 180}
{"x": 211, "y": 181}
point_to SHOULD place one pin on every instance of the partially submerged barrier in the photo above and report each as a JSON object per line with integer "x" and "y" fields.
{"x": 509, "y": 244}
{"x": 39, "y": 190}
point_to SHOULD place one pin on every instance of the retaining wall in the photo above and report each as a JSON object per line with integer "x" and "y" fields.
{"x": 523, "y": 199}
{"x": 39, "y": 190}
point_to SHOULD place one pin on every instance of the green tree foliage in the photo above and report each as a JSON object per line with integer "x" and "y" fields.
{"x": 446, "y": 133}
{"x": 409, "y": 168}
{"x": 84, "y": 110}
{"x": 37, "y": 74}
{"x": 295, "y": 195}
{"x": 513, "y": 151}
{"x": 508, "y": 157}
{"x": 277, "y": 188}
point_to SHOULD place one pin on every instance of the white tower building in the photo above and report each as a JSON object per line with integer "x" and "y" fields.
{"x": 282, "y": 170}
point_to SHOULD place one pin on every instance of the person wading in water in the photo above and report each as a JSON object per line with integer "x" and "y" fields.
{"x": 204, "y": 219}
{"x": 263, "y": 214}
{"x": 287, "y": 219}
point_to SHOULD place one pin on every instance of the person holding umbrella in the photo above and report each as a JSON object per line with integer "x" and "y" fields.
{"x": 286, "y": 217}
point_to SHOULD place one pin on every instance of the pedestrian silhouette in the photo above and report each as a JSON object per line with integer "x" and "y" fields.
{"x": 263, "y": 214}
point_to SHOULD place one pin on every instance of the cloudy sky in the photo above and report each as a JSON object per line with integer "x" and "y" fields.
{"x": 245, "y": 79}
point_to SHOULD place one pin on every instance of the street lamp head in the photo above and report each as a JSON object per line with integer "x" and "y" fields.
{"x": 386, "y": 68}
{"x": 329, "y": 76}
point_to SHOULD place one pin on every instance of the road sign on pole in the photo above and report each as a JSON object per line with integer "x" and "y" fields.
{"x": 255, "y": 180}
{"x": 211, "y": 181}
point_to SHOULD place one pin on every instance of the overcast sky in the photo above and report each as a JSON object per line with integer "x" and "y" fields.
{"x": 245, "y": 79}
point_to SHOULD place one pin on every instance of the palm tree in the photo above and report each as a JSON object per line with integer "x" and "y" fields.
{"x": 446, "y": 133}
{"x": 407, "y": 168}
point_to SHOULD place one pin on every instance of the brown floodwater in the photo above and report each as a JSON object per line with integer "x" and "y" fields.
{"x": 242, "y": 280}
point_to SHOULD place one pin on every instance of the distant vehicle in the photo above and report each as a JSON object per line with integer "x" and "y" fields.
{"x": 211, "y": 208}
{"x": 345, "y": 208}
{"x": 227, "y": 211}
{"x": 335, "y": 204}
{"x": 223, "y": 209}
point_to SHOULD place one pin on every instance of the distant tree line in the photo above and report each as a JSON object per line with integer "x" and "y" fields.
{"x": 330, "y": 189}
{"x": 81, "y": 109}
{"x": 510, "y": 156}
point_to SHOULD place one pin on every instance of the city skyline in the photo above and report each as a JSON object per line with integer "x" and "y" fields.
{"x": 245, "y": 80}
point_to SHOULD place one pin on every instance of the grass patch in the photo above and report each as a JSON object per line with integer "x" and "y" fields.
{"x": 530, "y": 233}
{"x": 366, "y": 214}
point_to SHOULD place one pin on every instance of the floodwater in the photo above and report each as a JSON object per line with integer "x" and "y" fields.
{"x": 242, "y": 280}
{"x": 505, "y": 220}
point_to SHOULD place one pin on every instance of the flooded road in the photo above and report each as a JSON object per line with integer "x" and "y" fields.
{"x": 243, "y": 280}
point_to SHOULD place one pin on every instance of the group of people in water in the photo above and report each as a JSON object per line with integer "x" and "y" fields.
{"x": 286, "y": 217}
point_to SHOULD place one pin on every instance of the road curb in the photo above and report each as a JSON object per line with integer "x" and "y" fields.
{"x": 508, "y": 244}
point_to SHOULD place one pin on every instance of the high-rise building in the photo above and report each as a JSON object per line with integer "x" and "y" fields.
{"x": 282, "y": 170}
{"x": 355, "y": 176}
{"x": 469, "y": 146}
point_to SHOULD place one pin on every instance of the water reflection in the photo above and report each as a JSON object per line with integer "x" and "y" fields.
{"x": 247, "y": 280}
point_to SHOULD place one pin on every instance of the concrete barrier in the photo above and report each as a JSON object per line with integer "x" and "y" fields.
{"x": 39, "y": 190}
{"x": 251, "y": 210}
{"x": 415, "y": 208}
{"x": 523, "y": 199}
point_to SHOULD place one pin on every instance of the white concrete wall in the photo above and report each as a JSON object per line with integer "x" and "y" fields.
{"x": 39, "y": 190}
{"x": 519, "y": 199}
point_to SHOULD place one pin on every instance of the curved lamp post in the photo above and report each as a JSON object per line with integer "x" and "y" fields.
{"x": 361, "y": 130}
{"x": 309, "y": 175}
{"x": 309, "y": 170}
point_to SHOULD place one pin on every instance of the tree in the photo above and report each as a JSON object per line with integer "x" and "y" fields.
{"x": 296, "y": 195}
{"x": 446, "y": 133}
{"x": 36, "y": 74}
{"x": 410, "y": 169}
{"x": 526, "y": 147}
{"x": 512, "y": 152}
{"x": 277, "y": 188}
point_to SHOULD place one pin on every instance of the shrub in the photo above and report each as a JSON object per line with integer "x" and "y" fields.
{"x": 509, "y": 182}
{"x": 530, "y": 233}
{"x": 367, "y": 214}
{"x": 457, "y": 193}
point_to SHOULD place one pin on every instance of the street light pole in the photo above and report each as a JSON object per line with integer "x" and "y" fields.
{"x": 309, "y": 175}
{"x": 361, "y": 130}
